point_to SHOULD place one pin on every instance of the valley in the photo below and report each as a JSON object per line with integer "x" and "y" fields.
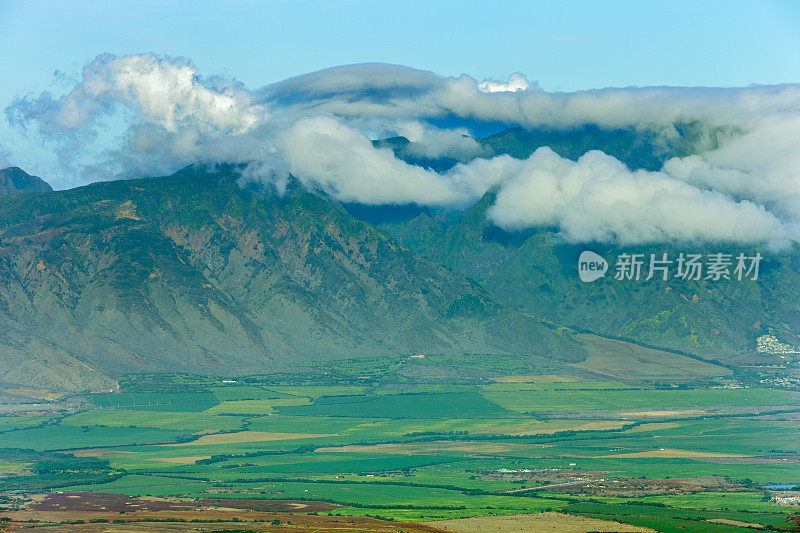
{"x": 358, "y": 445}
{"x": 197, "y": 352}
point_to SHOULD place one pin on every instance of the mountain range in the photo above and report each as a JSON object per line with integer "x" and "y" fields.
{"x": 193, "y": 273}
{"x": 198, "y": 272}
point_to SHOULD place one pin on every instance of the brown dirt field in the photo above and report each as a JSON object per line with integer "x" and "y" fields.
{"x": 671, "y": 452}
{"x": 269, "y": 505}
{"x": 289, "y": 523}
{"x": 39, "y": 394}
{"x": 653, "y": 426}
{"x": 534, "y": 379}
{"x": 755, "y": 460}
{"x": 99, "y": 501}
{"x": 112, "y": 502}
{"x": 427, "y": 447}
{"x": 562, "y": 523}
{"x": 248, "y": 436}
{"x": 736, "y": 523}
{"x": 664, "y": 413}
{"x": 627, "y": 361}
{"x": 190, "y": 460}
{"x": 95, "y": 452}
{"x": 151, "y": 514}
{"x": 548, "y": 428}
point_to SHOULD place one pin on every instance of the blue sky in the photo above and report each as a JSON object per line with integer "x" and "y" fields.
{"x": 563, "y": 45}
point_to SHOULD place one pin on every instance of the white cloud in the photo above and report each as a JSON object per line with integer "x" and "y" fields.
{"x": 751, "y": 180}
{"x": 762, "y": 165}
{"x": 390, "y": 92}
{"x": 516, "y": 82}
{"x": 330, "y": 156}
{"x": 173, "y": 114}
{"x": 431, "y": 142}
{"x": 598, "y": 199}
{"x": 319, "y": 128}
{"x": 162, "y": 91}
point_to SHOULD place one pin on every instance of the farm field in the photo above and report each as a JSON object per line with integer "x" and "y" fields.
{"x": 547, "y": 521}
{"x": 613, "y": 358}
{"x": 512, "y": 452}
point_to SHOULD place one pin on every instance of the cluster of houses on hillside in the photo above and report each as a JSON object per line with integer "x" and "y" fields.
{"x": 768, "y": 344}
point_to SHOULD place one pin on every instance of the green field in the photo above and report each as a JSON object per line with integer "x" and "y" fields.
{"x": 429, "y": 451}
{"x": 144, "y": 401}
{"x": 562, "y": 400}
{"x": 63, "y": 437}
{"x": 424, "y": 405}
{"x": 148, "y": 419}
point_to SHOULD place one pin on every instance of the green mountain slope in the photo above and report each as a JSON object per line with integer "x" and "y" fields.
{"x": 637, "y": 148}
{"x": 643, "y": 148}
{"x": 533, "y": 272}
{"x": 716, "y": 319}
{"x": 194, "y": 273}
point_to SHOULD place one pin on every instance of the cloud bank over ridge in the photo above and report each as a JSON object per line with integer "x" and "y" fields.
{"x": 319, "y": 127}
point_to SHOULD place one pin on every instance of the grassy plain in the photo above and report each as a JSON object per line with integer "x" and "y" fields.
{"x": 431, "y": 451}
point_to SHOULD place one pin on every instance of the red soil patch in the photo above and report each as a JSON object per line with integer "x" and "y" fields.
{"x": 277, "y": 506}
{"x": 106, "y": 502}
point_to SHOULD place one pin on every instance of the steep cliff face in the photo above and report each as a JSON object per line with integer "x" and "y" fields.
{"x": 194, "y": 273}
{"x": 14, "y": 180}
